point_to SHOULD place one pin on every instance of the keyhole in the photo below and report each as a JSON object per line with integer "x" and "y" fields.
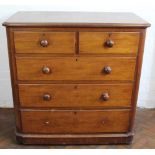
{"x": 110, "y": 34}
{"x": 75, "y": 112}
{"x": 75, "y": 87}
{"x": 76, "y": 59}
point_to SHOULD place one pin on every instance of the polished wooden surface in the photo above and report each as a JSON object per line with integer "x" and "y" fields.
{"x": 113, "y": 57}
{"x": 97, "y": 42}
{"x": 75, "y": 121}
{"x": 76, "y": 19}
{"x": 144, "y": 134}
{"x": 75, "y": 95}
{"x": 56, "y": 42}
{"x": 76, "y": 68}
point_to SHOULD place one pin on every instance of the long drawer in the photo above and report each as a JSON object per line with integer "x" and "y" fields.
{"x": 75, "y": 95}
{"x": 44, "y": 42}
{"x": 70, "y": 121}
{"x": 75, "y": 68}
{"x": 109, "y": 42}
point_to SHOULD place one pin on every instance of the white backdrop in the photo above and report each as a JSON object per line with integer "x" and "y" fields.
{"x": 145, "y": 9}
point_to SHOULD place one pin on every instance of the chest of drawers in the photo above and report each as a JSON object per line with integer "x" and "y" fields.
{"x": 75, "y": 76}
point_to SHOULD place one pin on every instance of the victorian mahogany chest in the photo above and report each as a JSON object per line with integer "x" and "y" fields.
{"x": 75, "y": 76}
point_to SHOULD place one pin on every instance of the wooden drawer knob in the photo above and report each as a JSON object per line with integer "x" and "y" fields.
{"x": 109, "y": 43}
{"x": 44, "y": 43}
{"x": 107, "y": 69}
{"x": 46, "y": 70}
{"x": 105, "y": 97}
{"x": 46, "y": 97}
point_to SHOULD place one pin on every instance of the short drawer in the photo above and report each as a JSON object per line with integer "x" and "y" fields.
{"x": 109, "y": 43}
{"x": 71, "y": 121}
{"x": 75, "y": 95}
{"x": 71, "y": 68}
{"x": 44, "y": 42}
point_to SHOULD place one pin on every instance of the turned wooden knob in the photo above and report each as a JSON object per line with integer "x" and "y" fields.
{"x": 46, "y": 70}
{"x": 107, "y": 69}
{"x": 105, "y": 97}
{"x": 44, "y": 43}
{"x": 109, "y": 43}
{"x": 46, "y": 97}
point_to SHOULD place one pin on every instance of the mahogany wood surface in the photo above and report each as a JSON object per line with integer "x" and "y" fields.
{"x": 73, "y": 122}
{"x": 57, "y": 42}
{"x": 69, "y": 70}
{"x": 143, "y": 138}
{"x": 75, "y": 95}
{"x": 75, "y": 68}
{"x": 96, "y": 42}
{"x": 76, "y": 19}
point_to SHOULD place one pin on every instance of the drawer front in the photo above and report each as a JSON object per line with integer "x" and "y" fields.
{"x": 69, "y": 121}
{"x": 44, "y": 42}
{"x": 109, "y": 43}
{"x": 70, "y": 68}
{"x": 75, "y": 95}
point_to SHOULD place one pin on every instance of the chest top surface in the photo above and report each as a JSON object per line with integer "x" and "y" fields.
{"x": 76, "y": 19}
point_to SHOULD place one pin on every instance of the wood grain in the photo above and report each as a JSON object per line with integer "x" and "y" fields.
{"x": 144, "y": 137}
{"x": 137, "y": 78}
{"x": 75, "y": 19}
{"x": 75, "y": 68}
{"x": 13, "y": 75}
{"x": 72, "y": 121}
{"x": 50, "y": 61}
{"x": 94, "y": 42}
{"x": 58, "y": 42}
{"x": 75, "y": 95}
